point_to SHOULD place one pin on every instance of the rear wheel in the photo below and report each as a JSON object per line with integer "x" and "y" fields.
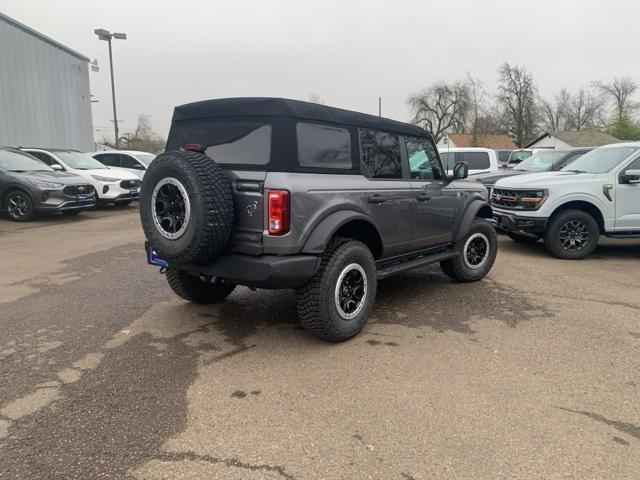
{"x": 476, "y": 253}
{"x": 19, "y": 206}
{"x": 523, "y": 238}
{"x": 572, "y": 235}
{"x": 335, "y": 305}
{"x": 198, "y": 289}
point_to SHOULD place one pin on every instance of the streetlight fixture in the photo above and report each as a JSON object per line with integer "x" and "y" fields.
{"x": 106, "y": 35}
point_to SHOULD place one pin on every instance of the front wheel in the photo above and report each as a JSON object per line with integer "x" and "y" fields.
{"x": 336, "y": 303}
{"x": 572, "y": 235}
{"x": 476, "y": 254}
{"x": 19, "y": 207}
{"x": 196, "y": 289}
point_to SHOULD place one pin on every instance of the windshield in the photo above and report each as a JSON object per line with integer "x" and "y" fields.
{"x": 600, "y": 160}
{"x": 519, "y": 155}
{"x": 540, "y": 162}
{"x": 145, "y": 158}
{"x": 79, "y": 161}
{"x": 21, "y": 162}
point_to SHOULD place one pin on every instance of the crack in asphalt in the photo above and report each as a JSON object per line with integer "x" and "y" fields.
{"x": 612, "y": 303}
{"x": 229, "y": 462}
{"x": 625, "y": 427}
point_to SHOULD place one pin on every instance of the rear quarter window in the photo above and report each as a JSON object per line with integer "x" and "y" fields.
{"x": 323, "y": 146}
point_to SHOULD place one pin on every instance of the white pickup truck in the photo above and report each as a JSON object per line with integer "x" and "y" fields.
{"x": 599, "y": 193}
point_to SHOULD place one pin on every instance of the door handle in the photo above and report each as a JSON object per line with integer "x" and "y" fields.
{"x": 423, "y": 197}
{"x": 376, "y": 199}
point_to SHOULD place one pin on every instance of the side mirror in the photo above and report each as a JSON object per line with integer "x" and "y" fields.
{"x": 631, "y": 176}
{"x": 57, "y": 167}
{"x": 460, "y": 171}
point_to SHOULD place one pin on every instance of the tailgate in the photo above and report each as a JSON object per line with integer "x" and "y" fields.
{"x": 249, "y": 222}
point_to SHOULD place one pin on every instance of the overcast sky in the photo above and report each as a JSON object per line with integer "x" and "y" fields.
{"x": 348, "y": 52}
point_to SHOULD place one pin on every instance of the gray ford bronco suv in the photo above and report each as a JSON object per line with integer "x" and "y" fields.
{"x": 274, "y": 193}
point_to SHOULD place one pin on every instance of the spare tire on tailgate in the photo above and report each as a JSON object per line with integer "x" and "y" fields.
{"x": 186, "y": 207}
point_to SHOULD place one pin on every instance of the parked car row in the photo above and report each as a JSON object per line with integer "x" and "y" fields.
{"x": 39, "y": 180}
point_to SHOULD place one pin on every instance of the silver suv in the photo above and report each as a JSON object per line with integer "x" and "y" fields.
{"x": 274, "y": 193}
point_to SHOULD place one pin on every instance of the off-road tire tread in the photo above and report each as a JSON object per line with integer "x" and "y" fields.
{"x": 455, "y": 268}
{"x": 192, "y": 289}
{"x": 212, "y": 207}
{"x": 312, "y": 312}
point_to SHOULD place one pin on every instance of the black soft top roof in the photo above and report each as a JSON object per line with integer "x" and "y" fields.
{"x": 283, "y": 107}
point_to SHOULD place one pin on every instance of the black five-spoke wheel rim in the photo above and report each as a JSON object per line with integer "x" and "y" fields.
{"x": 17, "y": 206}
{"x": 476, "y": 251}
{"x": 351, "y": 290}
{"x": 171, "y": 208}
{"x": 574, "y": 235}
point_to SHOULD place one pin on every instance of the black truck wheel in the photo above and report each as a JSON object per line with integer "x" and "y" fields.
{"x": 476, "y": 253}
{"x": 196, "y": 289}
{"x": 186, "y": 207}
{"x": 19, "y": 206}
{"x": 572, "y": 235}
{"x": 336, "y": 303}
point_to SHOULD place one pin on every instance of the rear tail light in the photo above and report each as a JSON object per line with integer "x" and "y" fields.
{"x": 278, "y": 211}
{"x": 193, "y": 147}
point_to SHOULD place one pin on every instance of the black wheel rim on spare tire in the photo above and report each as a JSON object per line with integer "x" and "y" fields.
{"x": 171, "y": 209}
{"x": 476, "y": 251}
{"x": 351, "y": 291}
{"x": 574, "y": 235}
{"x": 18, "y": 205}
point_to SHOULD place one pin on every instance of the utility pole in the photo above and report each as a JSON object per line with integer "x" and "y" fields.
{"x": 107, "y": 36}
{"x": 379, "y": 106}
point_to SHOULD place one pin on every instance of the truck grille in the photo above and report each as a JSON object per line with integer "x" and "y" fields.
{"x": 516, "y": 199}
{"x": 73, "y": 190}
{"x": 126, "y": 184}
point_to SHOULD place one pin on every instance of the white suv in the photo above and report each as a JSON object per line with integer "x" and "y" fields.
{"x": 599, "y": 193}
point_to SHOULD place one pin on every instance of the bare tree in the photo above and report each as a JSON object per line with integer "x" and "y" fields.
{"x": 143, "y": 137}
{"x": 441, "y": 107}
{"x": 556, "y": 116}
{"x": 517, "y": 97}
{"x": 477, "y": 96}
{"x": 619, "y": 92}
{"x": 586, "y": 109}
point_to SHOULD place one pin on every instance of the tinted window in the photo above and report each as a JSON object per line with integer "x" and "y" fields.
{"x": 43, "y": 157}
{"x": 108, "y": 159}
{"x": 475, "y": 160}
{"x": 503, "y": 155}
{"x": 322, "y": 146}
{"x": 423, "y": 159}
{"x": 380, "y": 154}
{"x": 127, "y": 162}
{"x": 239, "y": 143}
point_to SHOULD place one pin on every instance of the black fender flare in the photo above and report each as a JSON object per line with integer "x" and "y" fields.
{"x": 476, "y": 208}
{"x": 324, "y": 230}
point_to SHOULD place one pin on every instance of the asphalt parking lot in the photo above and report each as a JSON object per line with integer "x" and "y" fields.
{"x": 104, "y": 373}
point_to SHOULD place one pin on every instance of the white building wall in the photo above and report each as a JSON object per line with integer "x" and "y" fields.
{"x": 44, "y": 91}
{"x": 551, "y": 142}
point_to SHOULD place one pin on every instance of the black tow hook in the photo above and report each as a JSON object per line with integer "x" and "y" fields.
{"x": 163, "y": 270}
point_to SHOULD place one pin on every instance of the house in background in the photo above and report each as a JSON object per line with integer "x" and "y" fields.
{"x": 565, "y": 140}
{"x": 497, "y": 141}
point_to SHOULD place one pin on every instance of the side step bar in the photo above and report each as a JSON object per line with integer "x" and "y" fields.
{"x": 385, "y": 271}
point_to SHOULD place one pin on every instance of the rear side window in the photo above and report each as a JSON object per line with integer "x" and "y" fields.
{"x": 108, "y": 159}
{"x": 380, "y": 154}
{"x": 236, "y": 143}
{"x": 475, "y": 160}
{"x": 323, "y": 146}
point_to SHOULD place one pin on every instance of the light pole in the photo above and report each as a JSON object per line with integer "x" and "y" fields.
{"x": 107, "y": 36}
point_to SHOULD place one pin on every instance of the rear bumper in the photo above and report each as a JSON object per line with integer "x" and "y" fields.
{"x": 263, "y": 271}
{"x": 516, "y": 223}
